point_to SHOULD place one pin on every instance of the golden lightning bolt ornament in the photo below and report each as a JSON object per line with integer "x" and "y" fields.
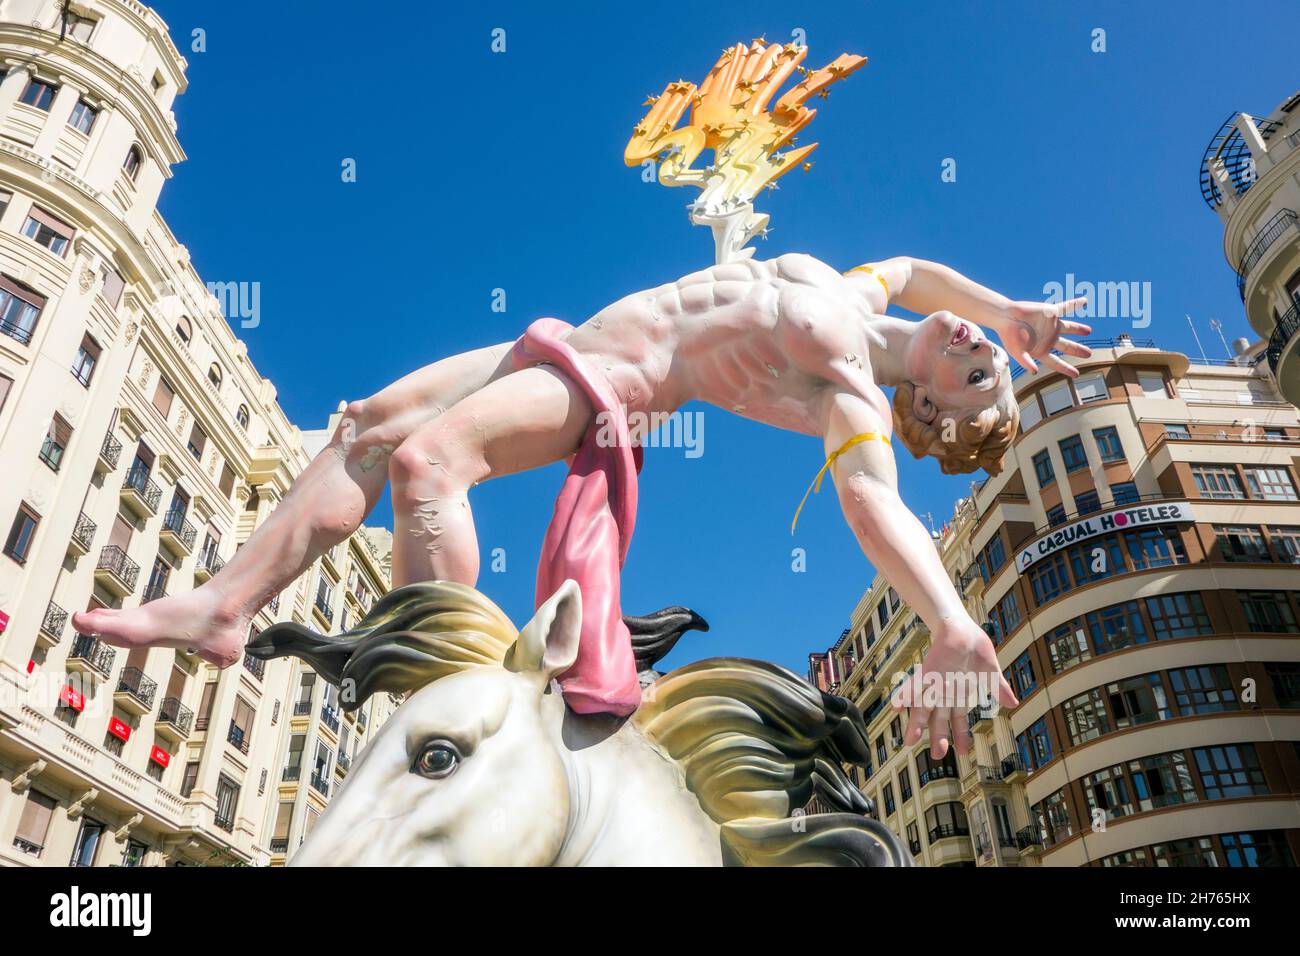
{"x": 729, "y": 114}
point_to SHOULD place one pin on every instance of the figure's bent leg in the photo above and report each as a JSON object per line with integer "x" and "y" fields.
{"x": 326, "y": 504}
{"x": 528, "y": 419}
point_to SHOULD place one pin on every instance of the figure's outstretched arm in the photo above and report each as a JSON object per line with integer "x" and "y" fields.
{"x": 1028, "y": 330}
{"x": 895, "y": 542}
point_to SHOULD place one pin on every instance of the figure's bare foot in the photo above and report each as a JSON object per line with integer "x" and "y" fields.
{"x": 195, "y": 619}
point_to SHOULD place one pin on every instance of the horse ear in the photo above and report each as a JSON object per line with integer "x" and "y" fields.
{"x": 548, "y": 644}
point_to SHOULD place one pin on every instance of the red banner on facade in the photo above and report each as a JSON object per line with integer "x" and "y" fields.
{"x": 72, "y": 699}
{"x": 118, "y": 729}
{"x": 4, "y": 622}
{"x": 159, "y": 756}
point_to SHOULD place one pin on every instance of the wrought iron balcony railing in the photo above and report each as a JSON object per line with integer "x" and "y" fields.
{"x": 133, "y": 681}
{"x": 320, "y": 784}
{"x": 97, "y": 654}
{"x": 330, "y": 716}
{"x": 1028, "y": 837}
{"x": 55, "y": 620}
{"x": 139, "y": 481}
{"x": 83, "y": 532}
{"x": 945, "y": 830}
{"x": 254, "y": 665}
{"x": 114, "y": 560}
{"x": 1288, "y": 327}
{"x": 111, "y": 450}
{"x": 1272, "y": 231}
{"x": 176, "y": 714}
{"x": 238, "y": 736}
{"x": 301, "y": 708}
{"x": 157, "y": 588}
{"x": 174, "y": 521}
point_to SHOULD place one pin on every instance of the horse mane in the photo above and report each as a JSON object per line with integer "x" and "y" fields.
{"x": 754, "y": 742}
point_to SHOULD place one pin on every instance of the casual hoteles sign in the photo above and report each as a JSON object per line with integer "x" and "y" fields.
{"x": 1094, "y": 525}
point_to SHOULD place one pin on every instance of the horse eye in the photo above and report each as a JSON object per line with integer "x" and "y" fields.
{"x": 436, "y": 760}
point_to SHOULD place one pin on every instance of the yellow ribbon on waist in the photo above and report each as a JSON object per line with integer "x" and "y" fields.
{"x": 816, "y": 485}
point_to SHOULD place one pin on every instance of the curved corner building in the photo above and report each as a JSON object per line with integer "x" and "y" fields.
{"x": 138, "y": 448}
{"x": 1250, "y": 176}
{"x": 1138, "y": 564}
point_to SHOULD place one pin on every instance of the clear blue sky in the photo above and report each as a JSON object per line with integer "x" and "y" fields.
{"x": 479, "y": 170}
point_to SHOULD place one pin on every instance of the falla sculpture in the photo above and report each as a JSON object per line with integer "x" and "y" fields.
{"x": 516, "y": 747}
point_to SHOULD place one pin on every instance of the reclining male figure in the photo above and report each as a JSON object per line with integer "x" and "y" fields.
{"x": 790, "y": 342}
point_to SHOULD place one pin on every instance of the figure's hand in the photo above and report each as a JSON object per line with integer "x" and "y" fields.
{"x": 959, "y": 672}
{"x": 1030, "y": 330}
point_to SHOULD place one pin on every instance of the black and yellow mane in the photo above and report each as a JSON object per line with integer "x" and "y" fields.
{"x": 753, "y": 742}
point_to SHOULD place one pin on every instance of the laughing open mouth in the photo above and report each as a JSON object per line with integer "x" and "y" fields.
{"x": 960, "y": 336}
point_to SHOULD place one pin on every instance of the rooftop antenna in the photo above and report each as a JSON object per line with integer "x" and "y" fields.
{"x": 930, "y": 518}
{"x": 1218, "y": 327}
{"x": 1204, "y": 360}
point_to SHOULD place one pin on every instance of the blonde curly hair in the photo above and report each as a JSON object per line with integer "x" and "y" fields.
{"x": 981, "y": 435}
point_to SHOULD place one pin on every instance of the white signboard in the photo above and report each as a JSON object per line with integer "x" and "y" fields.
{"x": 1138, "y": 516}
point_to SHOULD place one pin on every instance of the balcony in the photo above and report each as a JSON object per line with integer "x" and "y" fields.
{"x": 52, "y": 625}
{"x": 157, "y": 588}
{"x": 1280, "y": 225}
{"x": 279, "y": 846}
{"x": 291, "y": 774}
{"x": 109, "y": 453}
{"x": 177, "y": 533}
{"x": 140, "y": 493}
{"x": 83, "y": 536}
{"x": 115, "y": 571}
{"x": 208, "y": 564}
{"x": 1284, "y": 354}
{"x": 1014, "y": 769}
{"x": 225, "y": 820}
{"x": 1228, "y": 160}
{"x": 301, "y": 708}
{"x": 254, "y": 665}
{"x": 330, "y": 717}
{"x": 343, "y": 762}
{"x": 323, "y": 608}
{"x": 1029, "y": 840}
{"x": 135, "y": 691}
{"x": 174, "y": 720}
{"x": 239, "y": 737}
{"x": 320, "y": 784}
{"x": 980, "y": 719}
{"x": 947, "y": 831}
{"x": 91, "y": 657}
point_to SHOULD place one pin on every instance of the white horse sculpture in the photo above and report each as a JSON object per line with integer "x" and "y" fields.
{"x": 483, "y": 764}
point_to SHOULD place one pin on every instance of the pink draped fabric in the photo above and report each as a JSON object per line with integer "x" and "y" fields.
{"x": 590, "y": 530}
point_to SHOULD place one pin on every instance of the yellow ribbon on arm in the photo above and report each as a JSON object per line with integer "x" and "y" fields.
{"x": 816, "y": 485}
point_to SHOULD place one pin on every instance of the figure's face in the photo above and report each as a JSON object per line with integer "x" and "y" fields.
{"x": 954, "y": 367}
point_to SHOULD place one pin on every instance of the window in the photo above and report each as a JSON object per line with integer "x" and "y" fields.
{"x": 1155, "y": 548}
{"x": 1285, "y": 678}
{"x": 1138, "y": 700}
{"x": 905, "y": 783}
{"x": 1056, "y": 516}
{"x": 227, "y": 483}
{"x": 1268, "y": 612}
{"x": 1124, "y": 493}
{"x": 1005, "y": 617}
{"x": 1043, "y": 469}
{"x": 1115, "y": 627}
{"x": 1217, "y": 481}
{"x": 1241, "y": 543}
{"x": 227, "y": 801}
{"x": 947, "y": 820}
{"x": 1048, "y": 579}
{"x": 112, "y": 287}
{"x": 1177, "y": 432}
{"x": 20, "y": 308}
{"x": 83, "y": 117}
{"x": 241, "y": 417}
{"x": 1203, "y": 690}
{"x": 1230, "y": 771}
{"x": 991, "y": 557}
{"x": 34, "y": 824}
{"x": 214, "y": 374}
{"x": 78, "y": 27}
{"x": 184, "y": 329}
{"x": 1286, "y": 541}
{"x": 87, "y": 842}
{"x": 1021, "y": 675}
{"x": 1085, "y": 717}
{"x": 1096, "y": 559}
{"x": 1073, "y": 454}
{"x": 1108, "y": 790}
{"x": 240, "y": 732}
{"x": 1057, "y": 398}
{"x": 6, "y": 383}
{"x": 1263, "y": 848}
{"x": 163, "y": 396}
{"x": 19, "y": 543}
{"x": 887, "y": 795}
{"x": 1035, "y": 745}
{"x": 1152, "y": 384}
{"x": 44, "y": 230}
{"x": 1178, "y": 615}
{"x": 1270, "y": 484}
{"x": 1108, "y": 443}
{"x": 198, "y": 442}
{"x": 1067, "y": 646}
{"x": 1087, "y": 502}
{"x": 39, "y": 94}
{"x": 83, "y": 367}
{"x": 1030, "y": 414}
{"x": 1091, "y": 388}
{"x": 135, "y": 852}
{"x": 1162, "y": 780}
{"x": 131, "y": 165}
{"x": 56, "y": 440}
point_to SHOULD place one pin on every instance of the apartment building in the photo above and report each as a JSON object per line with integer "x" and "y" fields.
{"x": 1250, "y": 176}
{"x": 1137, "y": 564}
{"x": 139, "y": 448}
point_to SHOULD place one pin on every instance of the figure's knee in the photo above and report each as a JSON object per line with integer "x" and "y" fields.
{"x": 434, "y": 465}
